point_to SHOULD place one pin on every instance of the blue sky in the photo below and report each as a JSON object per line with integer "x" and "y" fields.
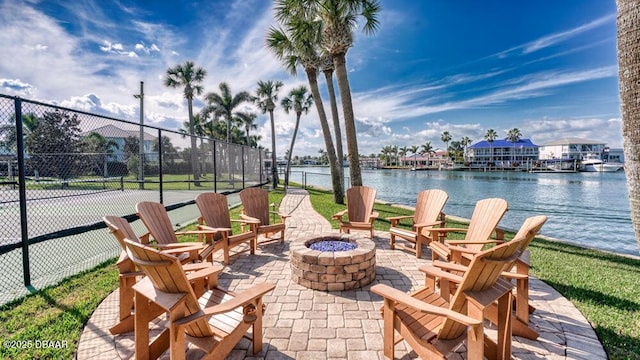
{"x": 546, "y": 67}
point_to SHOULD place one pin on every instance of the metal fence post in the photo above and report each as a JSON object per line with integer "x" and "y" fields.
{"x": 215, "y": 169}
{"x": 160, "y": 172}
{"x": 22, "y": 190}
{"x": 242, "y": 157}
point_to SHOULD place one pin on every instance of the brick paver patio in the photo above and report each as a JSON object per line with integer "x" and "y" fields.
{"x": 306, "y": 324}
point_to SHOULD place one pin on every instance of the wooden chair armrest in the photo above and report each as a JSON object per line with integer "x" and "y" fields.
{"x": 240, "y": 299}
{"x": 202, "y": 273}
{"x": 423, "y": 225}
{"x": 398, "y": 296}
{"x": 200, "y": 220}
{"x": 401, "y": 217}
{"x": 200, "y": 266}
{"x": 248, "y": 219}
{"x": 195, "y": 232}
{"x": 186, "y": 246}
{"x": 449, "y": 266}
{"x": 447, "y": 230}
{"x": 213, "y": 230}
{"x": 475, "y": 242}
{"x": 439, "y": 273}
{"x": 462, "y": 250}
{"x": 512, "y": 275}
{"x": 180, "y": 250}
{"x": 339, "y": 215}
{"x": 374, "y": 215}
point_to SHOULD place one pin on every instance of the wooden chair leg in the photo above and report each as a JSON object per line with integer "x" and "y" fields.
{"x": 392, "y": 241}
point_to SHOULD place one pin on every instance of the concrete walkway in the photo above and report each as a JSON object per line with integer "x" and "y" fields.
{"x": 306, "y": 324}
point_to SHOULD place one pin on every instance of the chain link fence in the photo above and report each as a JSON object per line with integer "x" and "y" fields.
{"x": 62, "y": 170}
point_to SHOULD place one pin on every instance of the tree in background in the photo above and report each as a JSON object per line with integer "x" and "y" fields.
{"x": 628, "y": 25}
{"x": 298, "y": 44}
{"x": 446, "y": 137}
{"x": 98, "y": 150}
{"x": 465, "y": 142}
{"x": 514, "y": 136}
{"x": 339, "y": 19}
{"x": 188, "y": 76}
{"x": 427, "y": 149}
{"x": 266, "y": 98}
{"x": 414, "y": 150}
{"x": 300, "y": 101}
{"x": 54, "y": 145}
{"x": 491, "y": 136}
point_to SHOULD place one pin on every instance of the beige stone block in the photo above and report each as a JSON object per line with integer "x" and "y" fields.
{"x": 335, "y": 286}
{"x": 318, "y": 269}
{"x": 344, "y": 277}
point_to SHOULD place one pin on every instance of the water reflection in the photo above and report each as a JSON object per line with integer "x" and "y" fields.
{"x": 591, "y": 209}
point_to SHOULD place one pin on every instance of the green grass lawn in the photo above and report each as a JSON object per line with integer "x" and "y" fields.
{"x": 604, "y": 287}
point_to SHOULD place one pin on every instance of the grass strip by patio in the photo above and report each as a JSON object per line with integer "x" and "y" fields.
{"x": 603, "y": 286}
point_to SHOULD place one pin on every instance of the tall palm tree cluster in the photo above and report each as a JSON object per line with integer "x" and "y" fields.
{"x": 224, "y": 117}
{"x": 315, "y": 35}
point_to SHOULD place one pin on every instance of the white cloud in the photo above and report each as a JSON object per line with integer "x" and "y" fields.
{"x": 16, "y": 86}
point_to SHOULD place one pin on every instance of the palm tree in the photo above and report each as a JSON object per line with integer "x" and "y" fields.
{"x": 298, "y": 46}
{"x": 300, "y": 101}
{"x": 266, "y": 98}
{"x": 199, "y": 129}
{"x": 490, "y": 136}
{"x": 446, "y": 137}
{"x": 224, "y": 105}
{"x": 414, "y": 150}
{"x": 465, "y": 141}
{"x": 248, "y": 120}
{"x": 427, "y": 149}
{"x": 629, "y": 78}
{"x": 514, "y": 136}
{"x": 339, "y": 18}
{"x": 189, "y": 76}
{"x": 326, "y": 64}
{"x": 402, "y": 152}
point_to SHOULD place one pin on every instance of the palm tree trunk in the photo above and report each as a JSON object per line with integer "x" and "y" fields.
{"x": 293, "y": 141}
{"x": 194, "y": 147}
{"x": 629, "y": 77}
{"x": 328, "y": 75}
{"x": 338, "y": 190}
{"x": 274, "y": 164}
{"x": 349, "y": 122}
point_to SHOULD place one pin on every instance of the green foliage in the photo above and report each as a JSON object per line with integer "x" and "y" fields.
{"x": 57, "y": 313}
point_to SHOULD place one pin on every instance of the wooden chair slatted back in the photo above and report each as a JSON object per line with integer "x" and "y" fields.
{"x": 484, "y": 220}
{"x": 482, "y": 274}
{"x": 255, "y": 202}
{"x": 429, "y": 205}
{"x": 166, "y": 275}
{"x": 121, "y": 229}
{"x": 360, "y": 201}
{"x": 530, "y": 228}
{"x": 155, "y": 218}
{"x": 214, "y": 209}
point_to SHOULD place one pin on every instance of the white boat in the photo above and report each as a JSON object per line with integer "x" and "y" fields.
{"x": 593, "y": 163}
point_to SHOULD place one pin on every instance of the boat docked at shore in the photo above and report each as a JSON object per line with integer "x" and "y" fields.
{"x": 593, "y": 163}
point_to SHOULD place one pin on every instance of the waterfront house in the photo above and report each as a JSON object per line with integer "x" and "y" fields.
{"x": 118, "y": 136}
{"x": 503, "y": 153}
{"x": 570, "y": 148}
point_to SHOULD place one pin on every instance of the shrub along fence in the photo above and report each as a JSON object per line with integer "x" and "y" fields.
{"x": 62, "y": 170}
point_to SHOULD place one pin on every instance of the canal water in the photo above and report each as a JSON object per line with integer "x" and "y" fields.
{"x": 590, "y": 209}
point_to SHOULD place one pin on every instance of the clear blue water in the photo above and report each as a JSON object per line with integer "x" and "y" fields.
{"x": 590, "y": 209}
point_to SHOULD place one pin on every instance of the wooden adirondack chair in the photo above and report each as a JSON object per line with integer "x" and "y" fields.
{"x": 484, "y": 221}
{"x": 129, "y": 275}
{"x": 434, "y": 326}
{"x": 214, "y": 211}
{"x": 360, "y": 214}
{"x": 154, "y": 216}
{"x": 519, "y": 272}
{"x": 255, "y": 204}
{"x": 214, "y": 322}
{"x": 429, "y": 206}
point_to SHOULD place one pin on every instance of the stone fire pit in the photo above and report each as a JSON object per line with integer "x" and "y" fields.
{"x": 333, "y": 270}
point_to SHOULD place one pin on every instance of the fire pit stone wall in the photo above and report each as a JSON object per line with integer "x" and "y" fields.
{"x": 333, "y": 271}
